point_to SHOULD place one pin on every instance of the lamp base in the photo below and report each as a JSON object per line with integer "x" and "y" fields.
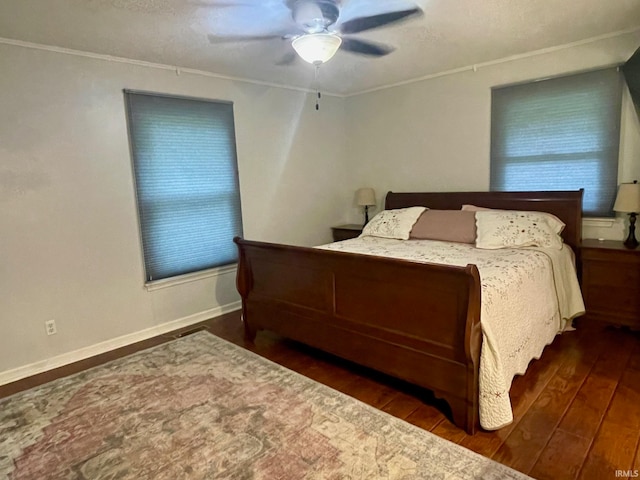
{"x": 631, "y": 241}
{"x": 366, "y": 215}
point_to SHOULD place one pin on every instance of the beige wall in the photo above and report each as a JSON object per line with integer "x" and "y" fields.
{"x": 70, "y": 248}
{"x": 434, "y": 134}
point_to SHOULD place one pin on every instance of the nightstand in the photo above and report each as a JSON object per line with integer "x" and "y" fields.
{"x": 345, "y": 232}
{"x": 611, "y": 282}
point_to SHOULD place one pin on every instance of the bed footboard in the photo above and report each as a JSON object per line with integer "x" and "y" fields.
{"x": 414, "y": 321}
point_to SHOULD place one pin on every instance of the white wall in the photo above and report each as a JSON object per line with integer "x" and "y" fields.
{"x": 434, "y": 134}
{"x": 70, "y": 249}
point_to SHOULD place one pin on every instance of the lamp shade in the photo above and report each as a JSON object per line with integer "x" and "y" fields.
{"x": 366, "y": 197}
{"x": 628, "y": 199}
{"x": 317, "y": 48}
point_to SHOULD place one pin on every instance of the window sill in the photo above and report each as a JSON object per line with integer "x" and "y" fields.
{"x": 189, "y": 277}
{"x": 599, "y": 222}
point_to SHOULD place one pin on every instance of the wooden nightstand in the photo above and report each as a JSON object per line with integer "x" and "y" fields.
{"x": 611, "y": 282}
{"x": 345, "y": 232}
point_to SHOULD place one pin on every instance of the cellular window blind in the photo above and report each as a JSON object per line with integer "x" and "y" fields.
{"x": 559, "y": 134}
{"x": 186, "y": 179}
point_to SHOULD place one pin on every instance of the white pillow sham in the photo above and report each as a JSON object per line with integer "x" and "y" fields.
{"x": 512, "y": 229}
{"x": 553, "y": 221}
{"x": 393, "y": 223}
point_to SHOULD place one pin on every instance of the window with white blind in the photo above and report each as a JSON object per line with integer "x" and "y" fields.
{"x": 559, "y": 134}
{"x": 186, "y": 179}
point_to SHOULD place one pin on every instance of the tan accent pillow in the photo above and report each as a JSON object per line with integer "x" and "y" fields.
{"x": 446, "y": 225}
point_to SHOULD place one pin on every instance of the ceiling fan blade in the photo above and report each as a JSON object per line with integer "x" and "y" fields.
{"x": 365, "y": 47}
{"x": 360, "y": 24}
{"x": 287, "y": 59}
{"x": 245, "y": 38}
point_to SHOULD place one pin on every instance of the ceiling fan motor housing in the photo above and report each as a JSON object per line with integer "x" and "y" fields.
{"x": 314, "y": 16}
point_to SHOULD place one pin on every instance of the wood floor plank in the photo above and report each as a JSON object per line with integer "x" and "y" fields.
{"x": 371, "y": 392}
{"x": 449, "y": 431}
{"x": 616, "y": 443}
{"x": 634, "y": 365}
{"x": 623, "y": 410}
{"x": 613, "y": 449}
{"x": 588, "y": 408}
{"x": 425, "y": 417}
{"x": 562, "y": 457}
{"x": 634, "y": 361}
{"x": 402, "y": 405}
{"x": 289, "y": 358}
{"x": 333, "y": 377}
{"x": 487, "y": 443}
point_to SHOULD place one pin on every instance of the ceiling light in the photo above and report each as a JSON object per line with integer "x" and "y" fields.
{"x": 317, "y": 48}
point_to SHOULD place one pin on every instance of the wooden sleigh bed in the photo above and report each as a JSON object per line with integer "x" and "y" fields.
{"x": 419, "y": 322}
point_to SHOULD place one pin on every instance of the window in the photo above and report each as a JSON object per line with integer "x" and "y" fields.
{"x": 186, "y": 177}
{"x": 559, "y": 134}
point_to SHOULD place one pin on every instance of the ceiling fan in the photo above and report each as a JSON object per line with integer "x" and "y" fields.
{"x": 316, "y": 32}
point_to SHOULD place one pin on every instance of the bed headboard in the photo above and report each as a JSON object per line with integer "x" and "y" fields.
{"x": 566, "y": 205}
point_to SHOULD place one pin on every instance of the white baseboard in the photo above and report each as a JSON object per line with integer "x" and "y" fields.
{"x": 112, "y": 344}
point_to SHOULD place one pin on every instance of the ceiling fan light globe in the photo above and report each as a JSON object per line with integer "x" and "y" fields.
{"x": 317, "y": 48}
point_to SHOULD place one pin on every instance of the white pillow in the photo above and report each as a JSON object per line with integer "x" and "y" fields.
{"x": 511, "y": 229}
{"x": 393, "y": 223}
{"x": 553, "y": 221}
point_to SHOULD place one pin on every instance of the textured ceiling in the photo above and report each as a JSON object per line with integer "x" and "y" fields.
{"x": 451, "y": 34}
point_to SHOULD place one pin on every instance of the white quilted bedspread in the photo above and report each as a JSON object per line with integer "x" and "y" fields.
{"x": 529, "y": 295}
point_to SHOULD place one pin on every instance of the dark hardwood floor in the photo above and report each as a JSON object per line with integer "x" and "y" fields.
{"x": 577, "y": 409}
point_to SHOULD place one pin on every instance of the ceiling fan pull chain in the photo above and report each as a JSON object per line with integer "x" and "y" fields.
{"x": 315, "y": 80}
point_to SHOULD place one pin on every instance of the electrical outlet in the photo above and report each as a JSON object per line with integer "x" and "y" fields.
{"x": 50, "y": 326}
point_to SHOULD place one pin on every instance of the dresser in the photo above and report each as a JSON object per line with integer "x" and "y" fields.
{"x": 611, "y": 282}
{"x": 345, "y": 232}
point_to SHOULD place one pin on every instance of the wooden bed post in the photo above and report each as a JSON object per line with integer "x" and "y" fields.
{"x": 473, "y": 344}
{"x": 465, "y": 409}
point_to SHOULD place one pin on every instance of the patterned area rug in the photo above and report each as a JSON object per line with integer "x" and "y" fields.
{"x": 202, "y": 408}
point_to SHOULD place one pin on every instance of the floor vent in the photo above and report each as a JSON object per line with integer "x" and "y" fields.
{"x": 184, "y": 333}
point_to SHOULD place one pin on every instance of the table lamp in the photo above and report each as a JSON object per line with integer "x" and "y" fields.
{"x": 366, "y": 197}
{"x": 628, "y": 201}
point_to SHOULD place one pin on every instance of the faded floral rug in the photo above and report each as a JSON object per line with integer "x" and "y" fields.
{"x": 202, "y": 408}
